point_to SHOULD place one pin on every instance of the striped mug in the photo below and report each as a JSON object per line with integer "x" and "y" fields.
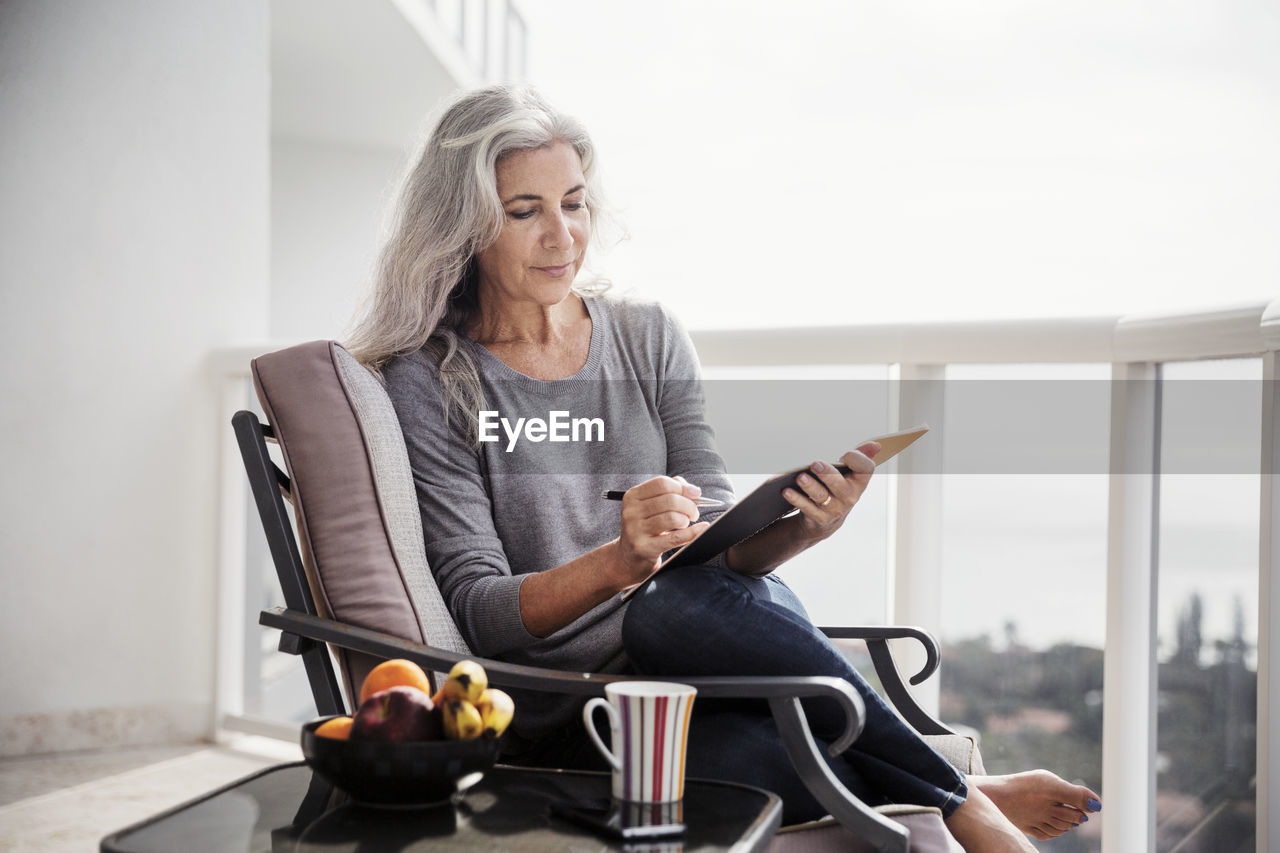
{"x": 650, "y": 726}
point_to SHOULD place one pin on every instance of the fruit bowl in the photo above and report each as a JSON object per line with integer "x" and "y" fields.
{"x": 409, "y": 773}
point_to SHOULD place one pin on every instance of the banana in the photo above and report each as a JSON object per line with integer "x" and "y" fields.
{"x": 496, "y": 710}
{"x": 466, "y": 681}
{"x": 461, "y": 720}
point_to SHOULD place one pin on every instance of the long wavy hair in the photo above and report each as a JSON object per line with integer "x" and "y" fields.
{"x": 424, "y": 289}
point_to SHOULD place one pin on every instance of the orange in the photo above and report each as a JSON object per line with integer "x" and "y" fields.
{"x": 394, "y": 673}
{"x": 339, "y": 728}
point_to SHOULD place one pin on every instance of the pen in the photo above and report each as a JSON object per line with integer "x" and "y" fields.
{"x": 614, "y": 495}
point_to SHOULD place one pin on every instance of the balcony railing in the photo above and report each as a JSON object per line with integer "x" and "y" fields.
{"x": 1136, "y": 348}
{"x": 492, "y": 34}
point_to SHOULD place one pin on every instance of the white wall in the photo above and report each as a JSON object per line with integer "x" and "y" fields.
{"x": 328, "y": 203}
{"x": 133, "y": 239}
{"x": 352, "y": 86}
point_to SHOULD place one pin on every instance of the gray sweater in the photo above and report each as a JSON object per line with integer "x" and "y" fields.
{"x": 519, "y": 505}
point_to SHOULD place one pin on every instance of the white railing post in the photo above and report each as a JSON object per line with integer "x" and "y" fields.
{"x": 914, "y": 584}
{"x": 1268, "y": 744}
{"x": 1129, "y": 680}
{"x": 1268, "y": 763}
{"x": 229, "y": 634}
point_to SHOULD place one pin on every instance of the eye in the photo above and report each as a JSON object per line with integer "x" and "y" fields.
{"x": 521, "y": 214}
{"x": 574, "y": 205}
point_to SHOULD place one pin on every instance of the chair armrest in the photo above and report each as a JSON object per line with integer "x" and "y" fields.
{"x": 383, "y": 645}
{"x": 877, "y": 638}
{"x": 933, "y": 656}
{"x": 878, "y": 831}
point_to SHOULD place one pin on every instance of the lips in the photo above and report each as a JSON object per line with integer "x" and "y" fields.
{"x": 555, "y": 272}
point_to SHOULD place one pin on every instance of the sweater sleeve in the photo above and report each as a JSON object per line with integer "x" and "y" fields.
{"x": 691, "y": 443}
{"x": 462, "y": 546}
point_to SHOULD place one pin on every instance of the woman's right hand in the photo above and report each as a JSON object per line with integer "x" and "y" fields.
{"x": 657, "y": 515}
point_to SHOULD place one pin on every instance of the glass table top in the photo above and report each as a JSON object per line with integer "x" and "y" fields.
{"x": 287, "y": 808}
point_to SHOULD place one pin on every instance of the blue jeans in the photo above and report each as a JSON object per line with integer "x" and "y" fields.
{"x": 696, "y": 621}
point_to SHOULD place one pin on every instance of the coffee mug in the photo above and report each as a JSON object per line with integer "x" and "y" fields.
{"x": 649, "y": 721}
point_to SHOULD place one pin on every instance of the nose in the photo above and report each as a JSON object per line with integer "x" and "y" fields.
{"x": 559, "y": 234}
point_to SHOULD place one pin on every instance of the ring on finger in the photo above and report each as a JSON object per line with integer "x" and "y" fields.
{"x": 827, "y": 501}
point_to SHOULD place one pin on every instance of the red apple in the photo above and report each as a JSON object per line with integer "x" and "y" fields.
{"x": 396, "y": 714}
{"x": 435, "y": 723}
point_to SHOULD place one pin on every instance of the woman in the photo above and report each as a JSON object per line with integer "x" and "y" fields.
{"x": 493, "y": 359}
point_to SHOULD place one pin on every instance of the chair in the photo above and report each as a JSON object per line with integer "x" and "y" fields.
{"x": 355, "y": 581}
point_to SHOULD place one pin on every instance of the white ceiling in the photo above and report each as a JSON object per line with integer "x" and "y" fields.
{"x": 362, "y": 73}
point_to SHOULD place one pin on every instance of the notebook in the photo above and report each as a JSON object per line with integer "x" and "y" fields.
{"x": 763, "y": 506}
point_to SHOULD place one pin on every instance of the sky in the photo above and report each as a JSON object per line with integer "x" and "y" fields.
{"x": 874, "y": 162}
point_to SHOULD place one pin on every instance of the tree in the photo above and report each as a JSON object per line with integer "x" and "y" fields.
{"x": 1190, "y": 637}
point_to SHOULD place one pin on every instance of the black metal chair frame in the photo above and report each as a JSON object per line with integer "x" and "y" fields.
{"x": 305, "y": 633}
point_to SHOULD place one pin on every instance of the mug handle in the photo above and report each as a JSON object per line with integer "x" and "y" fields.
{"x": 588, "y": 711}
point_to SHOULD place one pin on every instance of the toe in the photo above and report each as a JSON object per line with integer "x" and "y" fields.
{"x": 1068, "y": 815}
{"x": 1085, "y": 800}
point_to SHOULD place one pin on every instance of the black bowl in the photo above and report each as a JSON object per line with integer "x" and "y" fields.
{"x": 397, "y": 774}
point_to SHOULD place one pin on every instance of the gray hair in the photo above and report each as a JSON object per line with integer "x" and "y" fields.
{"x": 424, "y": 287}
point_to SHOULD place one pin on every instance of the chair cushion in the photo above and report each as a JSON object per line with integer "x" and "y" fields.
{"x": 396, "y": 491}
{"x": 960, "y": 750}
{"x": 928, "y": 831}
{"x": 353, "y": 495}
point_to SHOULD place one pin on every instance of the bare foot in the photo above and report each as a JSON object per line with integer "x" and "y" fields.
{"x": 980, "y": 827}
{"x": 1040, "y": 803}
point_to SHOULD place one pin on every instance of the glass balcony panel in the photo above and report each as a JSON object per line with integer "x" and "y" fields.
{"x": 1208, "y": 605}
{"x": 841, "y": 581}
{"x": 1024, "y": 559}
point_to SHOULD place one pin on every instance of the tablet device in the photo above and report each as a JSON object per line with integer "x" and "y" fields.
{"x": 764, "y": 506}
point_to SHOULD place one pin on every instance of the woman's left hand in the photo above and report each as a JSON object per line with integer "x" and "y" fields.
{"x": 825, "y": 496}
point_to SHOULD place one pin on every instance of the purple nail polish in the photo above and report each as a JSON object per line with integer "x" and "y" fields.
{"x": 1093, "y": 805}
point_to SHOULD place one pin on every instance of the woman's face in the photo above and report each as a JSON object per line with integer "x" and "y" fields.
{"x": 544, "y": 238}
